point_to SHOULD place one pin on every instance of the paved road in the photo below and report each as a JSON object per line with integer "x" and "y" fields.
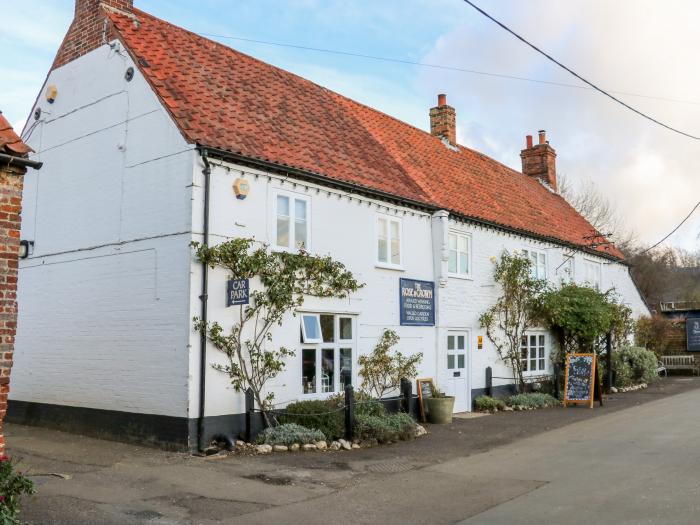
{"x": 633, "y": 466}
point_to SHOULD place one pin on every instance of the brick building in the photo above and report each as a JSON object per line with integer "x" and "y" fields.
{"x": 13, "y": 165}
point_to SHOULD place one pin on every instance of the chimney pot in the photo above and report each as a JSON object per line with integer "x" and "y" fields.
{"x": 528, "y": 141}
{"x": 543, "y": 139}
{"x": 442, "y": 100}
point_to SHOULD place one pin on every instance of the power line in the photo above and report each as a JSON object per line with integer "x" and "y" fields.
{"x": 672, "y": 231}
{"x": 438, "y": 66}
{"x": 572, "y": 72}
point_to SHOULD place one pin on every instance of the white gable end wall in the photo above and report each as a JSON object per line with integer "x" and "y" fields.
{"x": 104, "y": 303}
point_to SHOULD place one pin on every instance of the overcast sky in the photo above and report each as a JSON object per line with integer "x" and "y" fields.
{"x": 643, "y": 47}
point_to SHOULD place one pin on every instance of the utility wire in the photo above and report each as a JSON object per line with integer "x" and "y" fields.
{"x": 437, "y": 66}
{"x": 672, "y": 231}
{"x": 572, "y": 72}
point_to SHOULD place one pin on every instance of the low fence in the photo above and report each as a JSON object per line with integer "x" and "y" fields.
{"x": 405, "y": 402}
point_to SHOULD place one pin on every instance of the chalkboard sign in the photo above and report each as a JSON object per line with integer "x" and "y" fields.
{"x": 580, "y": 380}
{"x": 425, "y": 389}
{"x": 237, "y": 292}
{"x": 416, "y": 302}
{"x": 692, "y": 328}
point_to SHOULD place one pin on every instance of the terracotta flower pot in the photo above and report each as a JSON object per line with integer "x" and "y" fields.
{"x": 440, "y": 409}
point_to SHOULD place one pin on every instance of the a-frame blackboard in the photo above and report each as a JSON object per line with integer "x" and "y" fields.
{"x": 581, "y": 383}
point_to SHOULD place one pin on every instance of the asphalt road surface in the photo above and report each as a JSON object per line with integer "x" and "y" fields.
{"x": 634, "y": 465}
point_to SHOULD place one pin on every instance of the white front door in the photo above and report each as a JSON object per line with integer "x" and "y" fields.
{"x": 456, "y": 372}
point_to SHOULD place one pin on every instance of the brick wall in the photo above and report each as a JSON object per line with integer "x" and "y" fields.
{"x": 11, "y": 179}
{"x": 89, "y": 29}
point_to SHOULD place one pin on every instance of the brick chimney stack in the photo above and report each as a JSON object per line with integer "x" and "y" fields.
{"x": 443, "y": 120}
{"x": 89, "y": 29}
{"x": 539, "y": 160}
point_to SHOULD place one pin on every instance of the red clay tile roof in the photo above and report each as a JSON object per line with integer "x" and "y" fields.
{"x": 224, "y": 99}
{"x": 10, "y": 142}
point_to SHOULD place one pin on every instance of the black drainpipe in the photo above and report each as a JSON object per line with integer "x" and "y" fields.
{"x": 205, "y": 288}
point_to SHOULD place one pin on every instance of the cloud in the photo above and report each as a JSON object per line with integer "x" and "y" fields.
{"x": 649, "y": 173}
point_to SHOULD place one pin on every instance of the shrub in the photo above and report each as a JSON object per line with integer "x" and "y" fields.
{"x": 382, "y": 371}
{"x": 385, "y": 428}
{"x": 488, "y": 404}
{"x": 533, "y": 400}
{"x": 13, "y": 484}
{"x": 319, "y": 414}
{"x": 365, "y": 404}
{"x": 634, "y": 365}
{"x": 290, "y": 433}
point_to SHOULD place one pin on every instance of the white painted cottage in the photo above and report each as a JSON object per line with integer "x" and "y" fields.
{"x": 139, "y": 120}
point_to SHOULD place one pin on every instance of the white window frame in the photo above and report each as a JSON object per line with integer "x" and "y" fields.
{"x": 528, "y": 252}
{"x": 568, "y": 262}
{"x": 305, "y": 338}
{"x": 539, "y": 371}
{"x": 388, "y": 264}
{"x": 588, "y": 264}
{"x": 336, "y": 346}
{"x": 292, "y": 196}
{"x": 468, "y": 238}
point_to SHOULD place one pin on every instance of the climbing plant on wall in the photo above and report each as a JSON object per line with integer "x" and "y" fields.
{"x": 280, "y": 281}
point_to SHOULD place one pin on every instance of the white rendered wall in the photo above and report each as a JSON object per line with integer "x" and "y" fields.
{"x": 104, "y": 304}
{"x": 344, "y": 227}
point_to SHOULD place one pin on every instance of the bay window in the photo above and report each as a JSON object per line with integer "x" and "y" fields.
{"x": 533, "y": 353}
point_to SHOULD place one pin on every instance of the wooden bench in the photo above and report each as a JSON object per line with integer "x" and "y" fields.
{"x": 680, "y": 362}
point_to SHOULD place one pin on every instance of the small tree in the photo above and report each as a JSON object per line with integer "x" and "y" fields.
{"x": 514, "y": 312}
{"x": 381, "y": 371}
{"x": 284, "y": 280}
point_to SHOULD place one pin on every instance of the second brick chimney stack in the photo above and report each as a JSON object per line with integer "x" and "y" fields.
{"x": 443, "y": 120}
{"x": 540, "y": 160}
{"x": 89, "y": 28}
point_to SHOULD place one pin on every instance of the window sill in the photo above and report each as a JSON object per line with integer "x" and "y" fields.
{"x": 387, "y": 266}
{"x": 462, "y": 277}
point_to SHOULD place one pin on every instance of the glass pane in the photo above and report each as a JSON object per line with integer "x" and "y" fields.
{"x": 395, "y": 251}
{"x": 328, "y": 328}
{"x": 327, "y": 370}
{"x": 299, "y": 210}
{"x": 533, "y": 364}
{"x": 542, "y": 367}
{"x": 462, "y": 244}
{"x": 345, "y": 328}
{"x": 525, "y": 365}
{"x": 452, "y": 241}
{"x": 533, "y": 352}
{"x": 523, "y": 353}
{"x": 452, "y": 265}
{"x": 542, "y": 340}
{"x": 311, "y": 327}
{"x": 345, "y": 365}
{"x": 282, "y": 206}
{"x": 541, "y": 354}
{"x": 450, "y": 361}
{"x": 282, "y": 231}
{"x": 450, "y": 342}
{"x": 382, "y": 250}
{"x": 523, "y": 341}
{"x": 460, "y": 342}
{"x": 460, "y": 361}
{"x": 463, "y": 263}
{"x": 533, "y": 340}
{"x": 308, "y": 370}
{"x": 300, "y": 235}
{"x": 395, "y": 243}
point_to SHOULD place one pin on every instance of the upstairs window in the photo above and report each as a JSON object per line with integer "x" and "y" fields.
{"x": 291, "y": 222}
{"x": 459, "y": 246}
{"x": 566, "y": 270}
{"x": 388, "y": 241}
{"x": 592, "y": 273}
{"x": 538, "y": 260}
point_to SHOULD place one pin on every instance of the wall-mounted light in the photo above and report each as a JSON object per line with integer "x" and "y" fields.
{"x": 26, "y": 248}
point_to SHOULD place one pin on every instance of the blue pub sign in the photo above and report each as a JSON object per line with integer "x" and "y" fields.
{"x": 237, "y": 292}
{"x": 417, "y": 302}
{"x": 692, "y": 327}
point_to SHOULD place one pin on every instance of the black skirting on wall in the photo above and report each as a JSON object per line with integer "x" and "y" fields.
{"x": 167, "y": 432}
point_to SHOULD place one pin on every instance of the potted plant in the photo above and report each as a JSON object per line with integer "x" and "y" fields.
{"x": 440, "y": 407}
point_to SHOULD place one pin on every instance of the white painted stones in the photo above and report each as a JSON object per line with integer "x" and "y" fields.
{"x": 263, "y": 449}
